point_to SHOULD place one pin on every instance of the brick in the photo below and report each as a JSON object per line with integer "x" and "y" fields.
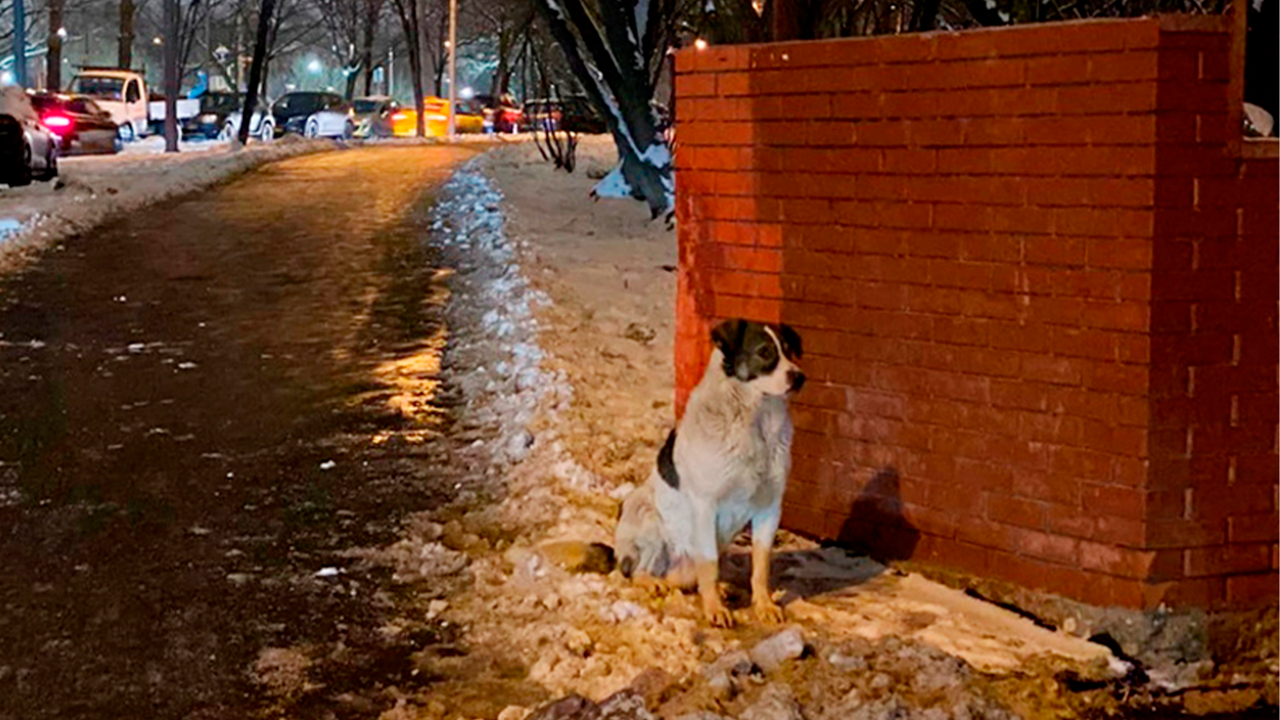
{"x": 1116, "y": 561}
{"x": 1043, "y": 546}
{"x": 689, "y": 86}
{"x": 1259, "y": 589}
{"x": 1226, "y": 559}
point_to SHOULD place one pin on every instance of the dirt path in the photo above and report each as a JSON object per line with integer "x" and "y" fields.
{"x": 187, "y": 402}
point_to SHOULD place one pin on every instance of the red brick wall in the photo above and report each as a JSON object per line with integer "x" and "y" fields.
{"x": 1037, "y": 290}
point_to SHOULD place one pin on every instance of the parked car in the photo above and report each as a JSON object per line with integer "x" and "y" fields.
{"x": 27, "y": 149}
{"x": 405, "y": 120}
{"x": 215, "y": 108}
{"x": 501, "y": 113}
{"x": 79, "y": 125}
{"x": 574, "y": 113}
{"x": 262, "y": 126}
{"x": 314, "y": 114}
{"x": 372, "y": 116}
{"x": 123, "y": 93}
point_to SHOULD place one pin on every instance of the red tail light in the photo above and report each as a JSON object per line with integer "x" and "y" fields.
{"x": 57, "y": 122}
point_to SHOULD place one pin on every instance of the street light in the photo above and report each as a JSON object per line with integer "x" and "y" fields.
{"x": 453, "y": 68}
{"x": 62, "y": 33}
{"x": 315, "y": 66}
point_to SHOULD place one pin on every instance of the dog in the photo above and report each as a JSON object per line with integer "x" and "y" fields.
{"x": 724, "y": 466}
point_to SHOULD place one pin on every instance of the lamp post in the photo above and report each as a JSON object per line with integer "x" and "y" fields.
{"x": 453, "y": 67}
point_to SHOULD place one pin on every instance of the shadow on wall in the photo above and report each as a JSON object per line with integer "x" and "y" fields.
{"x": 876, "y": 524}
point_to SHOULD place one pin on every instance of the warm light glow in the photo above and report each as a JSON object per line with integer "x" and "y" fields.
{"x": 700, "y": 44}
{"x": 156, "y": 40}
{"x": 62, "y": 33}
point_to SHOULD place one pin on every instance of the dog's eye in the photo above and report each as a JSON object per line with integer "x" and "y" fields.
{"x": 768, "y": 353}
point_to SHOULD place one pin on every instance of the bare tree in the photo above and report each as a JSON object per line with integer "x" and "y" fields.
{"x": 124, "y": 52}
{"x": 613, "y": 49}
{"x": 410, "y": 13}
{"x": 53, "y": 64}
{"x": 257, "y": 68}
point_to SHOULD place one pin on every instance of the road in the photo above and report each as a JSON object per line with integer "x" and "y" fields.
{"x": 195, "y": 406}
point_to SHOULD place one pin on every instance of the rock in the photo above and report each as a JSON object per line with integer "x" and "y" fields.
{"x": 514, "y": 712}
{"x": 773, "y": 651}
{"x": 639, "y": 332}
{"x": 652, "y": 685}
{"x": 623, "y": 610}
{"x": 624, "y": 705}
{"x": 453, "y": 536}
{"x": 775, "y": 703}
{"x": 578, "y": 557}
{"x": 701, "y": 715}
{"x": 880, "y": 681}
{"x": 572, "y": 707}
{"x": 736, "y": 663}
{"x": 435, "y": 607}
{"x": 577, "y": 642}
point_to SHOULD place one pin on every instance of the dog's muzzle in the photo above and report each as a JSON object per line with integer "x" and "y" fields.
{"x": 795, "y": 380}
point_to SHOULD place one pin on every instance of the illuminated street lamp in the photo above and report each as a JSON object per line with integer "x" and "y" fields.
{"x": 315, "y": 66}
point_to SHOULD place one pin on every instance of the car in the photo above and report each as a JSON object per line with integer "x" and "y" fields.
{"x": 123, "y": 93}
{"x": 215, "y": 108}
{"x": 502, "y": 113}
{"x": 405, "y": 120}
{"x": 28, "y": 150}
{"x": 314, "y": 114}
{"x": 79, "y": 125}
{"x": 372, "y": 116}
{"x": 572, "y": 114}
{"x": 262, "y": 126}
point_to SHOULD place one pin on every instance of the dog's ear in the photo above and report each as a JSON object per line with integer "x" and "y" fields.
{"x": 728, "y": 337}
{"x": 790, "y": 341}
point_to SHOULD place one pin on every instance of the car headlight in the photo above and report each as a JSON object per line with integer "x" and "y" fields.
{"x": 209, "y": 118}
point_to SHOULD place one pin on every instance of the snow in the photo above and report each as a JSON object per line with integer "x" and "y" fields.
{"x": 613, "y": 185}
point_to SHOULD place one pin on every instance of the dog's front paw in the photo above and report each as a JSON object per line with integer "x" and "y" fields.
{"x": 653, "y": 587}
{"x": 718, "y": 615}
{"x": 767, "y": 611}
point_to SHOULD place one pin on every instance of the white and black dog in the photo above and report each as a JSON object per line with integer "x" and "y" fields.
{"x": 724, "y": 466}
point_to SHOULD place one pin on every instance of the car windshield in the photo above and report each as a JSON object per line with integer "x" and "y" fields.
{"x": 219, "y": 102}
{"x": 84, "y": 106}
{"x": 102, "y": 87}
{"x": 46, "y": 102}
{"x": 291, "y": 104}
{"x": 367, "y": 106}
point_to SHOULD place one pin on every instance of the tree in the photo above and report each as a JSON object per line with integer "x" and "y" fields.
{"x": 615, "y": 51}
{"x": 256, "y": 68}
{"x": 410, "y": 13}
{"x": 124, "y": 52}
{"x": 172, "y": 75}
{"x": 53, "y": 64}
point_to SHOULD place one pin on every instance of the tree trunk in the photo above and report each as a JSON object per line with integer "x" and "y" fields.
{"x": 371, "y": 8}
{"x": 620, "y": 91}
{"x": 53, "y": 72}
{"x": 171, "y": 76}
{"x": 124, "y": 51}
{"x": 257, "y": 75}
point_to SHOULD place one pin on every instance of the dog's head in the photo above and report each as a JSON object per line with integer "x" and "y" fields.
{"x": 762, "y": 356}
